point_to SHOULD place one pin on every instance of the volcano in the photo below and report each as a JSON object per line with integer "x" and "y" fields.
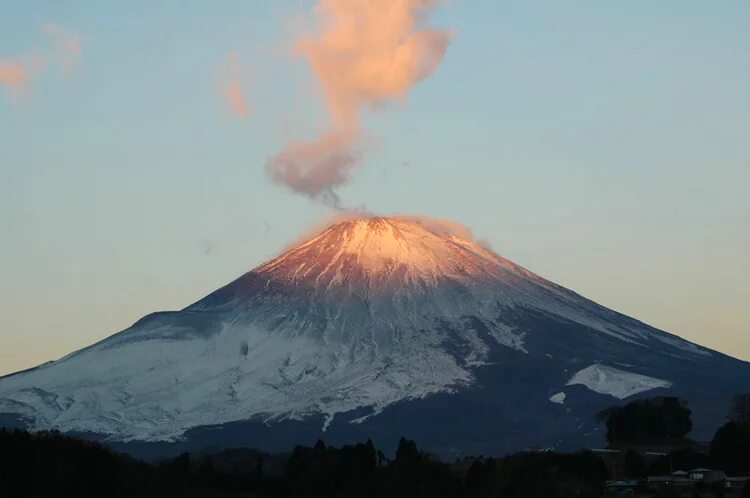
{"x": 375, "y": 327}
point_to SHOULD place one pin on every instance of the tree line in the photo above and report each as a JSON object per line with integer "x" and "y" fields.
{"x": 52, "y": 464}
{"x": 667, "y": 421}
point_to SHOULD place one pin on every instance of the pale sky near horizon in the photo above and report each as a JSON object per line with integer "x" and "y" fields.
{"x": 602, "y": 145}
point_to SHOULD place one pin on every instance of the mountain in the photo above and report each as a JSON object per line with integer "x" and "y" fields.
{"x": 375, "y": 327}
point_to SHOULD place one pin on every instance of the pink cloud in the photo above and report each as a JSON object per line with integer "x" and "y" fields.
{"x": 16, "y": 74}
{"x": 13, "y": 73}
{"x": 365, "y": 55}
{"x": 231, "y": 86}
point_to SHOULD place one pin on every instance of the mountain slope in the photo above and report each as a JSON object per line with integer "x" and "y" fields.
{"x": 370, "y": 322}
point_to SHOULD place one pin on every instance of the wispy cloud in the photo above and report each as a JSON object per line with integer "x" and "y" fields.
{"x": 17, "y": 74}
{"x": 67, "y": 46}
{"x": 231, "y": 86}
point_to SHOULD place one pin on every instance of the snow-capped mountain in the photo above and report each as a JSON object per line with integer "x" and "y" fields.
{"x": 374, "y": 327}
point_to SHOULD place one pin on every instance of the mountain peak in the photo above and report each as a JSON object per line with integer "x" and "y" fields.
{"x": 397, "y": 252}
{"x": 369, "y": 315}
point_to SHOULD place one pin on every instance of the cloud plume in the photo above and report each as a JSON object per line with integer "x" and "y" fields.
{"x": 231, "y": 87}
{"x": 316, "y": 168}
{"x": 367, "y": 53}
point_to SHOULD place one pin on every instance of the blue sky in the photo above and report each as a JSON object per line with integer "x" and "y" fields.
{"x": 602, "y": 145}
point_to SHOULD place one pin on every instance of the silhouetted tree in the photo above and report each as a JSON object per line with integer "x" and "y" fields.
{"x": 414, "y": 474}
{"x": 551, "y": 475}
{"x": 730, "y": 448}
{"x": 49, "y": 464}
{"x": 740, "y": 412}
{"x": 407, "y": 451}
{"x": 479, "y": 480}
{"x": 647, "y": 421}
{"x": 182, "y": 462}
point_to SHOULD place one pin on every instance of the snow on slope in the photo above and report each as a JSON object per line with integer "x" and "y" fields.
{"x": 621, "y": 384}
{"x": 558, "y": 398}
{"x": 368, "y": 313}
{"x": 155, "y": 390}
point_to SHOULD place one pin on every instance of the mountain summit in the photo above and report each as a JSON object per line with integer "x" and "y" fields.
{"x": 379, "y": 258}
{"x": 387, "y": 255}
{"x": 379, "y": 326}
